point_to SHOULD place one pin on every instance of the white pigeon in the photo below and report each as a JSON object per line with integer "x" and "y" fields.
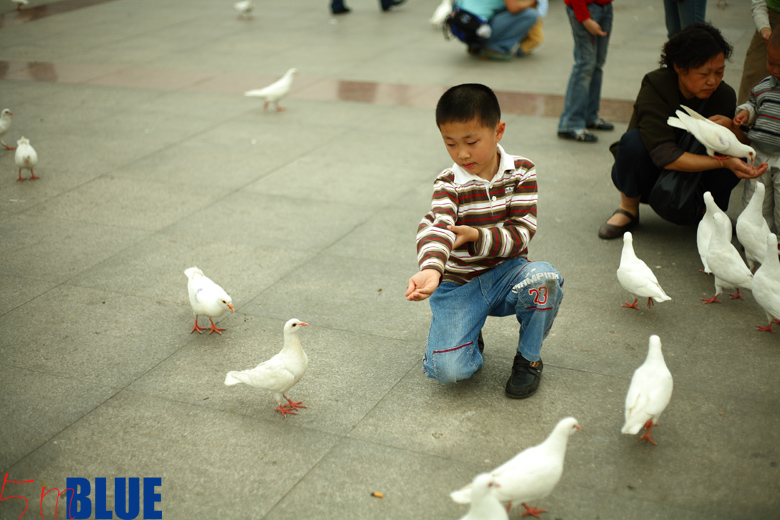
{"x": 5, "y": 125}
{"x": 649, "y": 392}
{"x": 714, "y": 137}
{"x": 274, "y": 92}
{"x": 207, "y": 299}
{"x": 281, "y": 372}
{"x": 20, "y": 3}
{"x": 766, "y": 285}
{"x": 532, "y": 474}
{"x": 636, "y": 278}
{"x": 707, "y": 227}
{"x": 752, "y": 228}
{"x": 441, "y": 13}
{"x": 484, "y": 505}
{"x": 26, "y": 158}
{"x": 725, "y": 263}
{"x": 245, "y": 8}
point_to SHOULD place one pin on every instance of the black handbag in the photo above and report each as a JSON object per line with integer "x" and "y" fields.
{"x": 678, "y": 196}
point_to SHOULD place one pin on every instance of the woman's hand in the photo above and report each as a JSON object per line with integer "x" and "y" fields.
{"x": 742, "y": 169}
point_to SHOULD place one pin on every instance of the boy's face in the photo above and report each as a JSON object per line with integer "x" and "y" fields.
{"x": 473, "y": 146}
{"x": 773, "y": 60}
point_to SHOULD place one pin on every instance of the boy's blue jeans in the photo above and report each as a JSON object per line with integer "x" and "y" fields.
{"x": 529, "y": 290}
{"x": 583, "y": 94}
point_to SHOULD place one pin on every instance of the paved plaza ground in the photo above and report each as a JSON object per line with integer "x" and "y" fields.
{"x": 152, "y": 161}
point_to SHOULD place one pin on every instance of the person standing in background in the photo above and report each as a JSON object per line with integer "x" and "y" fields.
{"x": 591, "y": 23}
{"x": 682, "y": 13}
{"x": 766, "y": 16}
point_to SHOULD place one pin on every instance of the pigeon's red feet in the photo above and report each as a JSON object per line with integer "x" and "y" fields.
{"x": 9, "y": 147}
{"x": 646, "y": 437}
{"x": 265, "y": 105}
{"x": 650, "y": 302}
{"x": 214, "y": 328}
{"x": 279, "y": 109}
{"x": 736, "y": 296}
{"x": 768, "y": 328}
{"x": 33, "y": 178}
{"x": 199, "y": 329}
{"x": 631, "y": 305}
{"x": 714, "y": 299}
{"x": 530, "y": 510}
{"x": 294, "y": 405}
{"x": 286, "y": 411}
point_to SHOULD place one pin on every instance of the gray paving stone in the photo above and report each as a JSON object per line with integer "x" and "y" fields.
{"x": 38, "y": 406}
{"x": 349, "y": 372}
{"x": 211, "y": 463}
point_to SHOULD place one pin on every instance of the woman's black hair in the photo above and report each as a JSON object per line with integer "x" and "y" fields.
{"x": 467, "y": 102}
{"x": 694, "y": 46}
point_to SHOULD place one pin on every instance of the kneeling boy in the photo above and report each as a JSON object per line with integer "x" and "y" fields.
{"x": 472, "y": 247}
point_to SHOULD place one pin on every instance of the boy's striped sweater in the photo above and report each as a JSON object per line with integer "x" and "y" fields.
{"x": 503, "y": 210}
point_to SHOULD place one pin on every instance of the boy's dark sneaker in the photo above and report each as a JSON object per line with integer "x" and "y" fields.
{"x": 481, "y": 342}
{"x": 525, "y": 377}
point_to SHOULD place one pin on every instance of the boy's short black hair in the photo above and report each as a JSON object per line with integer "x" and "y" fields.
{"x": 694, "y": 46}
{"x": 467, "y": 102}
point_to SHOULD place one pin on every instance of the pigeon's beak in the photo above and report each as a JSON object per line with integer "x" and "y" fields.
{"x": 303, "y": 324}
{"x": 230, "y": 305}
{"x": 578, "y": 426}
{"x": 10, "y": 113}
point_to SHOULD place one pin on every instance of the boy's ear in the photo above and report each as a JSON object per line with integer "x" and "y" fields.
{"x": 500, "y": 127}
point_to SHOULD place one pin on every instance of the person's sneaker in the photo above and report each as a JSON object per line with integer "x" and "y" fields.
{"x": 525, "y": 377}
{"x": 481, "y": 343}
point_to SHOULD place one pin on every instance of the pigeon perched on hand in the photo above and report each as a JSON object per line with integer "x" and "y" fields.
{"x": 484, "y": 504}
{"x": 5, "y": 125}
{"x": 26, "y": 158}
{"x": 532, "y": 474}
{"x": 726, "y": 264}
{"x": 752, "y": 228}
{"x": 714, "y": 137}
{"x": 245, "y": 8}
{"x": 281, "y": 372}
{"x": 274, "y": 92}
{"x": 707, "y": 227}
{"x": 636, "y": 278}
{"x": 649, "y": 393}
{"x": 207, "y": 299}
{"x": 766, "y": 284}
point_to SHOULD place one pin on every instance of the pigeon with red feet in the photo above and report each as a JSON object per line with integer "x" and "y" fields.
{"x": 766, "y": 285}
{"x": 274, "y": 92}
{"x": 725, "y": 263}
{"x": 207, "y": 299}
{"x": 281, "y": 372}
{"x": 26, "y": 158}
{"x": 636, "y": 278}
{"x": 532, "y": 474}
{"x": 649, "y": 392}
{"x": 5, "y": 126}
{"x": 752, "y": 228}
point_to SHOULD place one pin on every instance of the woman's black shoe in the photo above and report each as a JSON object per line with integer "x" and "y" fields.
{"x": 610, "y": 231}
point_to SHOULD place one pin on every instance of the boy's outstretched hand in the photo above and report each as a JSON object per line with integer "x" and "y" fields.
{"x": 422, "y": 285}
